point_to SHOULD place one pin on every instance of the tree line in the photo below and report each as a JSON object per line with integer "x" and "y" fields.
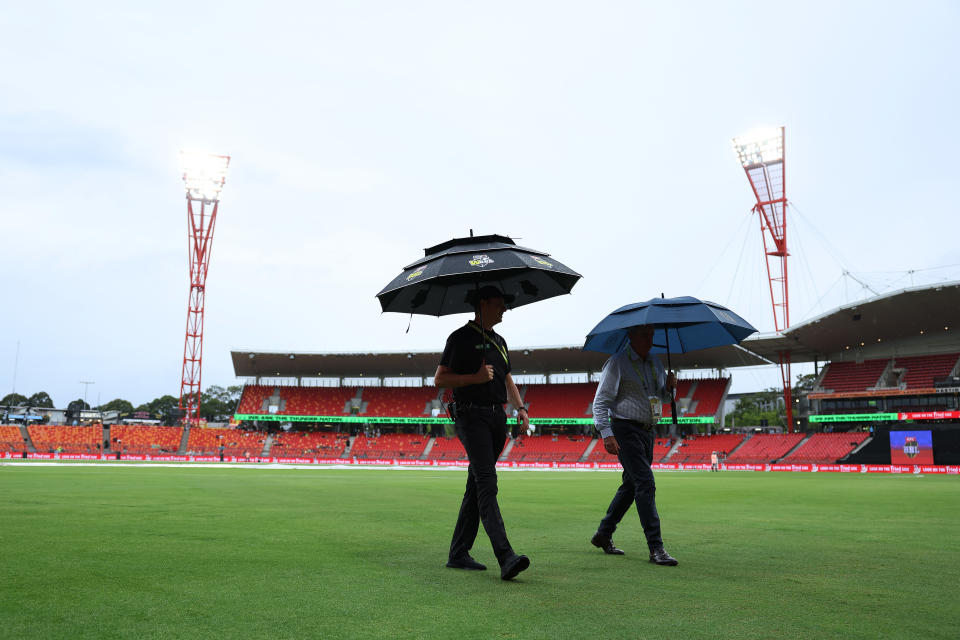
{"x": 217, "y": 404}
{"x": 764, "y": 408}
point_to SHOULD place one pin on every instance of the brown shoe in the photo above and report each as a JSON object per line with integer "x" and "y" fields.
{"x": 605, "y": 543}
{"x": 659, "y": 556}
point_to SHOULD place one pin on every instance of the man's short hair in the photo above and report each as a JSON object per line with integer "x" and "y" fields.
{"x": 474, "y": 296}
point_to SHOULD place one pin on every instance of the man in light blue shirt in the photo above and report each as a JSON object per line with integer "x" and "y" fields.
{"x": 629, "y": 402}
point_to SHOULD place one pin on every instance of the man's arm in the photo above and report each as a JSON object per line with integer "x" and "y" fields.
{"x": 446, "y": 378}
{"x": 513, "y": 397}
{"x": 669, "y": 385}
{"x": 603, "y": 404}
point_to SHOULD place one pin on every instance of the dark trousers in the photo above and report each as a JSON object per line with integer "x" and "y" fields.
{"x": 483, "y": 434}
{"x": 636, "y": 454}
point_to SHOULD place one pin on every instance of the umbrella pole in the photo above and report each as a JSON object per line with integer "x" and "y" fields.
{"x": 673, "y": 401}
{"x": 483, "y": 331}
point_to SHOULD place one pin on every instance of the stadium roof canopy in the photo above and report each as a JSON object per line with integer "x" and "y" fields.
{"x": 915, "y": 320}
{"x": 423, "y": 364}
{"x": 883, "y": 326}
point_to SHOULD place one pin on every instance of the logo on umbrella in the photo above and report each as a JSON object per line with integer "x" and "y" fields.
{"x": 480, "y": 260}
{"x": 418, "y": 272}
{"x": 542, "y": 261}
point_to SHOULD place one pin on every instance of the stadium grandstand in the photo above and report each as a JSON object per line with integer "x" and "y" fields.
{"x": 892, "y": 361}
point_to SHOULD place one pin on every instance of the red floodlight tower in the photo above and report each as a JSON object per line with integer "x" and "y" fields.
{"x": 762, "y": 156}
{"x": 204, "y": 176}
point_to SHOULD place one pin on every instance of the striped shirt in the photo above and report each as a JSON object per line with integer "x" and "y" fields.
{"x": 626, "y": 384}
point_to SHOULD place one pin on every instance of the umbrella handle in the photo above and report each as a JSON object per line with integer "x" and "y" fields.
{"x": 483, "y": 332}
{"x": 673, "y": 401}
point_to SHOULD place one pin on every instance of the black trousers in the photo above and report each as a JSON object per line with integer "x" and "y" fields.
{"x": 636, "y": 454}
{"x": 483, "y": 433}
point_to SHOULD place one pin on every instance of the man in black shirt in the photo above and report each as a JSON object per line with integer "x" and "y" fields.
{"x": 476, "y": 365}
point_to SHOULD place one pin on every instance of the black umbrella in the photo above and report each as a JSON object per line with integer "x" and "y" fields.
{"x": 446, "y": 279}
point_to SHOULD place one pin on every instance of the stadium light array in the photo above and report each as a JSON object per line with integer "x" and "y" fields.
{"x": 760, "y": 147}
{"x": 204, "y": 174}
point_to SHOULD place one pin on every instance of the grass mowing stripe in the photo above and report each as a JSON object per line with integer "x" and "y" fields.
{"x": 205, "y": 553}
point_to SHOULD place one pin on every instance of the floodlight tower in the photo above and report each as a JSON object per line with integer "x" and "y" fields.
{"x": 762, "y": 156}
{"x": 204, "y": 176}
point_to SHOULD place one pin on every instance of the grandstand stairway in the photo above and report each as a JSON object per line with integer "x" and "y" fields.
{"x": 799, "y": 444}
{"x": 26, "y": 439}
{"x": 673, "y": 449}
{"x": 687, "y": 402}
{"x": 184, "y": 439}
{"x": 266, "y": 446}
{"x": 742, "y": 442}
{"x": 865, "y": 442}
{"x": 426, "y": 450}
{"x": 589, "y": 449}
{"x": 506, "y": 450}
{"x": 356, "y": 401}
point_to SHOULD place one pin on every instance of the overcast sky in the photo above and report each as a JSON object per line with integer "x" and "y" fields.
{"x": 362, "y": 132}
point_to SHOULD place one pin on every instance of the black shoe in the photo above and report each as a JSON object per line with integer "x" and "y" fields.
{"x": 605, "y": 543}
{"x": 659, "y": 556}
{"x": 466, "y": 562}
{"x": 514, "y": 565}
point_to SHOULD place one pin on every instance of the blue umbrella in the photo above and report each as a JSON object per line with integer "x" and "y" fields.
{"x": 686, "y": 323}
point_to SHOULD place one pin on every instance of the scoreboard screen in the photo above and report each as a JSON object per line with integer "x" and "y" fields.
{"x": 911, "y": 447}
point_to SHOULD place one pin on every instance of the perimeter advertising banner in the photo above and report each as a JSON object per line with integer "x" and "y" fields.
{"x": 910, "y": 468}
{"x": 911, "y": 447}
{"x": 268, "y": 417}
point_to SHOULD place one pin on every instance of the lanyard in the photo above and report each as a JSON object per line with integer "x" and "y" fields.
{"x": 643, "y": 379}
{"x": 502, "y": 350}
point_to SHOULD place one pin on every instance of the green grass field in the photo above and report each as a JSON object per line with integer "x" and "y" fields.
{"x": 102, "y": 552}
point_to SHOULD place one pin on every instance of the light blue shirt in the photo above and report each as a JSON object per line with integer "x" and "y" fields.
{"x": 626, "y": 384}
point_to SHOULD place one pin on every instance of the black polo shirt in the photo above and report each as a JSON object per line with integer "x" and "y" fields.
{"x": 463, "y": 354}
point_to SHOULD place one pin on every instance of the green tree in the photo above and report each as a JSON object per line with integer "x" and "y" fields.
{"x": 164, "y": 408}
{"x": 40, "y": 400}
{"x": 219, "y": 403}
{"x": 234, "y": 392}
{"x": 123, "y": 407}
{"x": 75, "y": 407}
{"x": 14, "y": 400}
{"x": 805, "y": 382}
{"x": 752, "y": 410}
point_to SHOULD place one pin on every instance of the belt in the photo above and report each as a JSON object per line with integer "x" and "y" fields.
{"x": 472, "y": 406}
{"x": 636, "y": 423}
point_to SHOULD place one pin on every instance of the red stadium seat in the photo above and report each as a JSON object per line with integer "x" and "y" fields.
{"x": 560, "y": 448}
{"x": 139, "y": 439}
{"x": 302, "y": 444}
{"x": 827, "y": 448}
{"x": 389, "y": 446}
{"x": 697, "y": 449}
{"x": 845, "y": 377}
{"x": 922, "y": 371}
{"x": 447, "y": 449}
{"x": 398, "y": 402}
{"x": 11, "y": 439}
{"x": 765, "y": 447}
{"x": 235, "y": 442}
{"x": 66, "y": 439}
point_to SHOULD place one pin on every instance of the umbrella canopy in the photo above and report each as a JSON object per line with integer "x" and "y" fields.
{"x": 680, "y": 325}
{"x": 445, "y": 280}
